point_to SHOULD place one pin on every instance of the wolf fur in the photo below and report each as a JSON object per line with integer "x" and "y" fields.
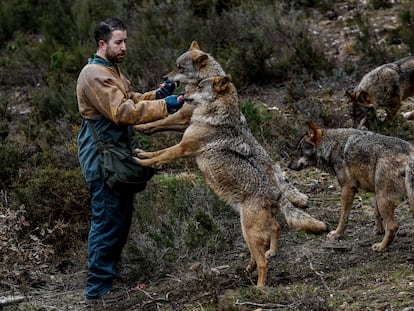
{"x": 233, "y": 169}
{"x": 384, "y": 87}
{"x": 191, "y": 67}
{"x": 362, "y": 160}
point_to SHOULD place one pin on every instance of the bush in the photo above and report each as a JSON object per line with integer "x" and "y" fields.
{"x": 175, "y": 217}
{"x": 56, "y": 205}
{"x": 406, "y": 31}
{"x": 368, "y": 43}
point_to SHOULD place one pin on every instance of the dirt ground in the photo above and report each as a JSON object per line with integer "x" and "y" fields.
{"x": 308, "y": 272}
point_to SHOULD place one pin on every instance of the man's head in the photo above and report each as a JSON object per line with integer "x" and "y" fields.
{"x": 110, "y": 38}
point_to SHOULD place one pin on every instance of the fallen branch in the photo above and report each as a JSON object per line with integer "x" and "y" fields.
{"x": 263, "y": 305}
{"x": 11, "y": 300}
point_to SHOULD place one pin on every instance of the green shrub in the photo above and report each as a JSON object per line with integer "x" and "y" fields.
{"x": 10, "y": 162}
{"x": 178, "y": 216}
{"x": 406, "y": 31}
{"x": 368, "y": 43}
{"x": 54, "y": 199}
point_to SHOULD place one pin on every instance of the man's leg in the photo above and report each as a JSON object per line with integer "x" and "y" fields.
{"x": 107, "y": 236}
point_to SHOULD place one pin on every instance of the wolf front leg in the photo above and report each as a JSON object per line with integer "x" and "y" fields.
{"x": 177, "y": 122}
{"x": 347, "y": 197}
{"x": 185, "y": 148}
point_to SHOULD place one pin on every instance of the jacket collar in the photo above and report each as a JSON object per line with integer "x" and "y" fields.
{"x": 101, "y": 61}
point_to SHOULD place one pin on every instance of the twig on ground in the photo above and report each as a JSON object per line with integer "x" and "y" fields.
{"x": 263, "y": 305}
{"x": 317, "y": 273}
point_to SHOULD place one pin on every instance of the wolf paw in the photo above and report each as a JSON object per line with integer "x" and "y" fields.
{"x": 270, "y": 253}
{"x": 378, "y": 247}
{"x": 251, "y": 266}
{"x": 334, "y": 235}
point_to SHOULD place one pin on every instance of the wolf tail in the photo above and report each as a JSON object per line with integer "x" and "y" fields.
{"x": 409, "y": 182}
{"x": 296, "y": 197}
{"x": 298, "y": 219}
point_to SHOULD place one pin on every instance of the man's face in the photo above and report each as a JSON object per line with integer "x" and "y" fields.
{"x": 115, "y": 48}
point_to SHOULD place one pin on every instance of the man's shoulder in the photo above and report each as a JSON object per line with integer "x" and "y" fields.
{"x": 95, "y": 70}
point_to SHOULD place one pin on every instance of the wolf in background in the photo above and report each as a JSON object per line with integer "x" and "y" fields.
{"x": 362, "y": 160}
{"x": 384, "y": 87}
{"x": 231, "y": 166}
{"x": 191, "y": 67}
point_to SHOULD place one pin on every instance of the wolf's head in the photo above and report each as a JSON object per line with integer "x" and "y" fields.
{"x": 194, "y": 66}
{"x": 306, "y": 155}
{"x": 212, "y": 89}
{"x": 361, "y": 108}
{"x": 216, "y": 101}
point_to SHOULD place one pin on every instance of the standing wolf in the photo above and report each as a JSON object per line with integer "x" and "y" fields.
{"x": 384, "y": 87}
{"x": 233, "y": 169}
{"x": 362, "y": 159}
{"x": 192, "y": 67}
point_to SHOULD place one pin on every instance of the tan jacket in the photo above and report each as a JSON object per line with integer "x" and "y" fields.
{"x": 103, "y": 90}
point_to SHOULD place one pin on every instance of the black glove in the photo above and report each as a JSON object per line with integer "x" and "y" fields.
{"x": 174, "y": 103}
{"x": 166, "y": 89}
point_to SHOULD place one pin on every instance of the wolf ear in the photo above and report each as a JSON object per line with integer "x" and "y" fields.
{"x": 201, "y": 60}
{"x": 314, "y": 133}
{"x": 194, "y": 46}
{"x": 221, "y": 83}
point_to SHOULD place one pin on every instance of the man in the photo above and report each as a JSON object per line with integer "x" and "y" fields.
{"x": 104, "y": 96}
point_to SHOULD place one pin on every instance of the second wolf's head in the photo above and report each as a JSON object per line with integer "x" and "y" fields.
{"x": 307, "y": 149}
{"x": 216, "y": 99}
{"x": 194, "y": 66}
{"x": 361, "y": 108}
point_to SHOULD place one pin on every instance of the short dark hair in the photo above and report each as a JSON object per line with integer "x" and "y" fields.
{"x": 103, "y": 31}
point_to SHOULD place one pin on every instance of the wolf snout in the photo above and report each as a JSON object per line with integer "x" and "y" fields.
{"x": 187, "y": 98}
{"x": 167, "y": 78}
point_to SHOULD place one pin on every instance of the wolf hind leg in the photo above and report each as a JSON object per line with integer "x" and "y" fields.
{"x": 258, "y": 226}
{"x": 274, "y": 240}
{"x": 379, "y": 228}
{"x": 386, "y": 209}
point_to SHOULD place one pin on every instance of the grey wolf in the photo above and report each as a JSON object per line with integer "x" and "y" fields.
{"x": 362, "y": 160}
{"x": 191, "y": 67}
{"x": 234, "y": 171}
{"x": 384, "y": 87}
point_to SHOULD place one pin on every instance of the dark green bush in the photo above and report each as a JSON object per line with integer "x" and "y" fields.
{"x": 406, "y": 31}
{"x": 368, "y": 43}
{"x": 10, "y": 162}
{"x": 53, "y": 197}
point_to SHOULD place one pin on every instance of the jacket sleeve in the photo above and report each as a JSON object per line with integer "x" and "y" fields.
{"x": 101, "y": 92}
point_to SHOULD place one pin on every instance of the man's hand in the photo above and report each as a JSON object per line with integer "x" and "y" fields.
{"x": 166, "y": 89}
{"x": 174, "y": 103}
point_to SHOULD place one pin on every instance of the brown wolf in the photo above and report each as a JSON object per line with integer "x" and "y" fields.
{"x": 191, "y": 67}
{"x": 366, "y": 160}
{"x": 233, "y": 169}
{"x": 384, "y": 87}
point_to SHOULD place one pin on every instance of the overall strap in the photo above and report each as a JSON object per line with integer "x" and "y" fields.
{"x": 95, "y": 135}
